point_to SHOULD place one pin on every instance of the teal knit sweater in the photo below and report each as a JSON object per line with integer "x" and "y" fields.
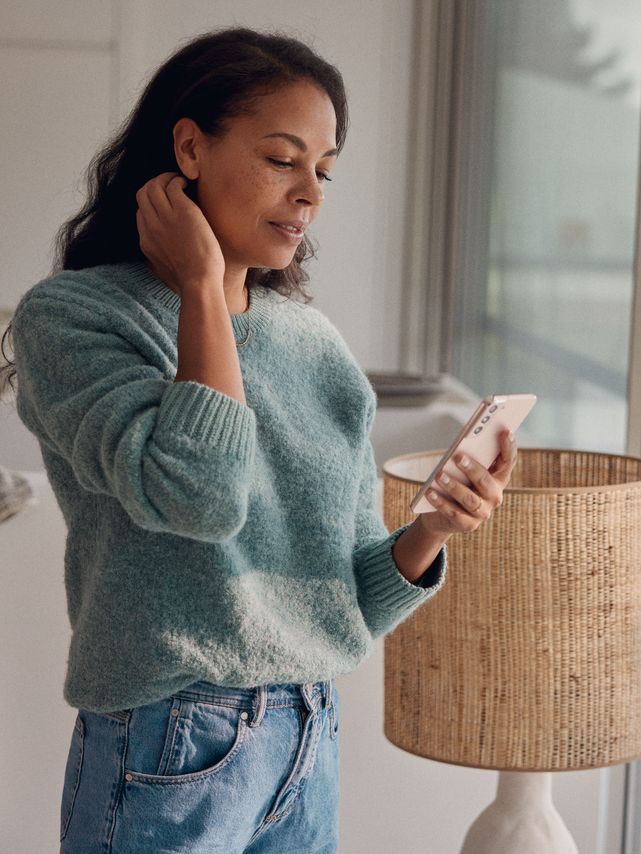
{"x": 207, "y": 539}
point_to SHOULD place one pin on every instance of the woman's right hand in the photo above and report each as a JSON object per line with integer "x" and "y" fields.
{"x": 175, "y": 236}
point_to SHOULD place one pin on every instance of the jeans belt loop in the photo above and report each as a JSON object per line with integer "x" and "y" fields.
{"x": 329, "y": 695}
{"x": 260, "y": 704}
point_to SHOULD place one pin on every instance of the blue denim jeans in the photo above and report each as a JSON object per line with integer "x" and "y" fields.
{"x": 209, "y": 770}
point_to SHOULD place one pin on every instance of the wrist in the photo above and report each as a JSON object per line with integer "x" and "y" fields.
{"x": 417, "y": 548}
{"x": 202, "y": 288}
{"x": 433, "y": 532}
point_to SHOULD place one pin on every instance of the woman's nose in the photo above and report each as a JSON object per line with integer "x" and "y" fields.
{"x": 309, "y": 191}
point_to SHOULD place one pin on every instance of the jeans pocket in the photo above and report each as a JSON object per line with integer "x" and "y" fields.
{"x": 73, "y": 770}
{"x": 181, "y": 741}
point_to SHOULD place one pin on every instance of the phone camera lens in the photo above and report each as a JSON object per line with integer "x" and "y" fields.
{"x": 478, "y": 430}
{"x": 485, "y": 419}
{"x": 493, "y": 408}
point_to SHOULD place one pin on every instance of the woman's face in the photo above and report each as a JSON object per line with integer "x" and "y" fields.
{"x": 264, "y": 174}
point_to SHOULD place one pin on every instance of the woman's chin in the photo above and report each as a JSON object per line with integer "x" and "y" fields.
{"x": 275, "y": 262}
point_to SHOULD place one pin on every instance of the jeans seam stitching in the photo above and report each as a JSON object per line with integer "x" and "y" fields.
{"x": 120, "y": 782}
{"x": 80, "y": 728}
{"x": 171, "y": 732}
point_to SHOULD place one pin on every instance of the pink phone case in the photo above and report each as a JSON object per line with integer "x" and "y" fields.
{"x": 479, "y": 439}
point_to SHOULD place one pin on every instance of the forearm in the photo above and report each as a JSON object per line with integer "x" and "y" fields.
{"x": 416, "y": 549}
{"x": 206, "y": 344}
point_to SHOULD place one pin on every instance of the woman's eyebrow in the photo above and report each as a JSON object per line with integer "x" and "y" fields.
{"x": 298, "y": 142}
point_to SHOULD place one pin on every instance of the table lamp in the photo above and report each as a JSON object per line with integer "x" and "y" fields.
{"x": 528, "y": 660}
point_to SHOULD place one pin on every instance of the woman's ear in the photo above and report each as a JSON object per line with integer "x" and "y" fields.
{"x": 187, "y": 138}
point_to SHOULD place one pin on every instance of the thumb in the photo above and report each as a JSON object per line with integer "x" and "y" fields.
{"x": 178, "y": 181}
{"x": 176, "y": 190}
{"x": 502, "y": 469}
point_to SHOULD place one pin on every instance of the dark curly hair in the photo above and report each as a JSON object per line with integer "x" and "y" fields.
{"x": 212, "y": 78}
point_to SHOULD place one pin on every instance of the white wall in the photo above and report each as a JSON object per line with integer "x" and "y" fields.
{"x": 56, "y": 107}
{"x": 71, "y": 70}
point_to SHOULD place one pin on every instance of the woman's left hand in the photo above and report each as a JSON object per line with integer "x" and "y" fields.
{"x": 461, "y": 509}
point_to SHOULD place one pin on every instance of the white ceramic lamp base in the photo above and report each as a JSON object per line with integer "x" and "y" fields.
{"x": 521, "y": 820}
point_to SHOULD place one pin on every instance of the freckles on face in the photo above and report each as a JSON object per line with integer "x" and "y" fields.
{"x": 247, "y": 179}
{"x": 261, "y": 184}
{"x": 238, "y": 189}
{"x": 236, "y": 203}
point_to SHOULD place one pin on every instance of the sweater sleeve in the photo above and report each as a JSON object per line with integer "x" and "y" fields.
{"x": 176, "y": 456}
{"x": 385, "y": 596}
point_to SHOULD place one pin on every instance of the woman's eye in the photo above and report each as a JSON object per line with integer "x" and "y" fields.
{"x": 320, "y": 175}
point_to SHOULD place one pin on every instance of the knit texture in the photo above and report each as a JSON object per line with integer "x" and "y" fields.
{"x": 207, "y": 539}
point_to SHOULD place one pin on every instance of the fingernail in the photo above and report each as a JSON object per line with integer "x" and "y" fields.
{"x": 511, "y": 437}
{"x": 465, "y": 461}
{"x": 433, "y": 497}
{"x": 444, "y": 478}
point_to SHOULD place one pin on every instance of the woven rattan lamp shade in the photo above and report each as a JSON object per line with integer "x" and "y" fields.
{"x": 529, "y": 657}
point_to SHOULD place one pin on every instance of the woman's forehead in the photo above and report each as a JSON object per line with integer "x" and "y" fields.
{"x": 302, "y": 113}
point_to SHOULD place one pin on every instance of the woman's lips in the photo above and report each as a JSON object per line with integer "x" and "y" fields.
{"x": 290, "y": 234}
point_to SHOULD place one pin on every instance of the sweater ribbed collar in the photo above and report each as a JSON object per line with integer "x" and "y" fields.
{"x": 245, "y": 325}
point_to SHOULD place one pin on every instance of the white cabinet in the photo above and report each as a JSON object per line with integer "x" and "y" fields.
{"x": 36, "y": 723}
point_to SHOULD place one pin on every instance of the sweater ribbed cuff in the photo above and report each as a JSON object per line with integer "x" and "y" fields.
{"x": 199, "y": 412}
{"x": 386, "y": 585}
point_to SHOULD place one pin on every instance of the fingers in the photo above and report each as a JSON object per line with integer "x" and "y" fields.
{"x": 476, "y": 501}
{"x": 466, "y": 507}
{"x": 502, "y": 468}
{"x": 156, "y": 199}
{"x": 146, "y": 204}
{"x": 154, "y": 196}
{"x": 143, "y": 232}
{"x": 484, "y": 487}
{"x": 175, "y": 191}
{"x": 457, "y": 518}
{"x": 485, "y": 492}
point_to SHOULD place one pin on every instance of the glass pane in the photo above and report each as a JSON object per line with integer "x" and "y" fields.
{"x": 550, "y": 310}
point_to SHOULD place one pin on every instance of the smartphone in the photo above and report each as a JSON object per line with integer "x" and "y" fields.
{"x": 479, "y": 439}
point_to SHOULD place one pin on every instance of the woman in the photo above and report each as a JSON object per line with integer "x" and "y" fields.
{"x": 207, "y": 439}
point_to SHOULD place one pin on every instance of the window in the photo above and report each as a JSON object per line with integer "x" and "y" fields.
{"x": 532, "y": 200}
